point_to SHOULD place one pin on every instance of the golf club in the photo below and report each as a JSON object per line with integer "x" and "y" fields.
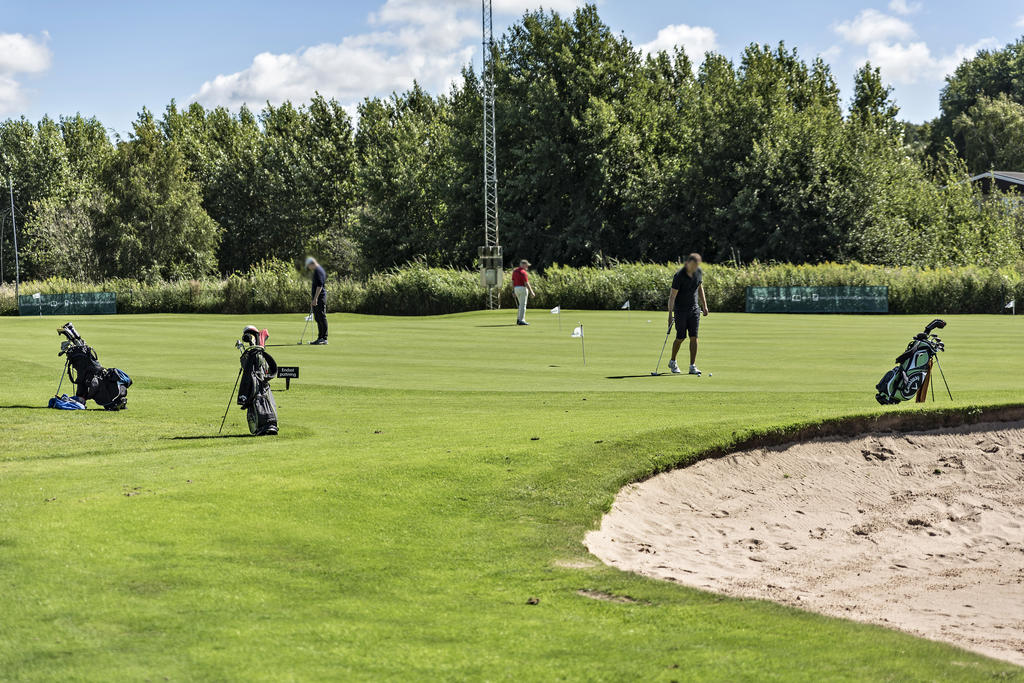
{"x": 306, "y": 326}
{"x": 662, "y": 354}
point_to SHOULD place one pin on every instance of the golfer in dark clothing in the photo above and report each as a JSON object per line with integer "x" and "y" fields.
{"x": 319, "y": 301}
{"x": 686, "y": 302}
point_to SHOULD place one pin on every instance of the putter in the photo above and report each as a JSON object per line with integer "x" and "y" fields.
{"x": 306, "y": 326}
{"x": 662, "y": 354}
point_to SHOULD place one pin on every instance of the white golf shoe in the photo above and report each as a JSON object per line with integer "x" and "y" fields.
{"x": 694, "y": 370}
{"x": 674, "y": 367}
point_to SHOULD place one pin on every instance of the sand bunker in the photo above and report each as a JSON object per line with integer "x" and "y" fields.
{"x": 922, "y": 532}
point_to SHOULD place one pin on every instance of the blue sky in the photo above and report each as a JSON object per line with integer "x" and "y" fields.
{"x": 109, "y": 59}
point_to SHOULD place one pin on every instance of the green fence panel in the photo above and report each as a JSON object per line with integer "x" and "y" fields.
{"x": 82, "y": 303}
{"x": 817, "y": 299}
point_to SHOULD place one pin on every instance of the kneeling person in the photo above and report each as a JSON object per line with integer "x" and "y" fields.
{"x": 686, "y": 302}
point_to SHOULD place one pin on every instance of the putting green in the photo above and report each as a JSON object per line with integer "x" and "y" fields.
{"x": 432, "y": 477}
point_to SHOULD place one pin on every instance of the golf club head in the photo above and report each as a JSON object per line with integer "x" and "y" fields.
{"x": 937, "y": 323}
{"x": 69, "y": 331}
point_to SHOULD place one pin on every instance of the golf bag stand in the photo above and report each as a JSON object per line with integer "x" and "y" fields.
{"x": 922, "y": 393}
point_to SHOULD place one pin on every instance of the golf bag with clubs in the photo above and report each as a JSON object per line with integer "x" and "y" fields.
{"x": 904, "y": 381}
{"x": 254, "y": 394}
{"x": 108, "y": 387}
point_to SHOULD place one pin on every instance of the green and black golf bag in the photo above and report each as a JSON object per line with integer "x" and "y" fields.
{"x": 904, "y": 381}
{"x": 108, "y": 387}
{"x": 254, "y": 394}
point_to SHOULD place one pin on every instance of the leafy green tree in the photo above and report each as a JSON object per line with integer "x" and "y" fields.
{"x": 154, "y": 224}
{"x": 993, "y": 134}
{"x": 988, "y": 74}
{"x": 279, "y": 184}
{"x": 405, "y": 163}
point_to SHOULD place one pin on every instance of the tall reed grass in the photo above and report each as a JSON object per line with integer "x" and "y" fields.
{"x": 418, "y": 289}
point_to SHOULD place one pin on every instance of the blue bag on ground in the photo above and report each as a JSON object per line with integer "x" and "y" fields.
{"x": 64, "y": 403}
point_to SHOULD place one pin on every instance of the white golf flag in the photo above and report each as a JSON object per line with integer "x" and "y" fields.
{"x": 578, "y": 332}
{"x": 1012, "y": 304}
{"x": 556, "y": 310}
{"x": 36, "y": 295}
{"x": 625, "y": 306}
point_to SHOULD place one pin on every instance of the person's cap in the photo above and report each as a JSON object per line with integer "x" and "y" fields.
{"x": 310, "y": 261}
{"x": 524, "y": 262}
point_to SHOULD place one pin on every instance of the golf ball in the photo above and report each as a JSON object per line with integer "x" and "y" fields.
{"x": 710, "y": 374}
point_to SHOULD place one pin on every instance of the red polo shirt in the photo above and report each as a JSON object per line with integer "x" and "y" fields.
{"x": 519, "y": 277}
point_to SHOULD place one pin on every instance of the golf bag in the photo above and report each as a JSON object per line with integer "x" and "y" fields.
{"x": 254, "y": 394}
{"x": 904, "y": 381}
{"x": 108, "y": 387}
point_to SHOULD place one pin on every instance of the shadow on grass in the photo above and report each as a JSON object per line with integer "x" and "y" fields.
{"x": 215, "y": 436}
{"x": 659, "y": 374}
{"x": 502, "y": 325}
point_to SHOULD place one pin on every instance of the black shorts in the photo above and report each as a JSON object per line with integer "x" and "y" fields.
{"x": 687, "y": 323}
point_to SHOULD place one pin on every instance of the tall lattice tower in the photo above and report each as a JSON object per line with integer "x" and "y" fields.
{"x": 491, "y": 259}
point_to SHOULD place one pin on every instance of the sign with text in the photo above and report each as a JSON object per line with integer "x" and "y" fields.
{"x": 817, "y": 299}
{"x": 79, "y": 303}
{"x": 287, "y": 373}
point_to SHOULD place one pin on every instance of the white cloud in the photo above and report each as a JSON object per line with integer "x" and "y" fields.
{"x": 695, "y": 40}
{"x": 411, "y": 40}
{"x": 888, "y": 45}
{"x": 904, "y": 7}
{"x": 1020, "y": 22}
{"x": 831, "y": 53}
{"x": 871, "y": 26}
{"x": 20, "y": 54}
{"x": 907, "y": 64}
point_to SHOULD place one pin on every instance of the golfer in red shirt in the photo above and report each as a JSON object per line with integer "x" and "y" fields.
{"x": 523, "y": 289}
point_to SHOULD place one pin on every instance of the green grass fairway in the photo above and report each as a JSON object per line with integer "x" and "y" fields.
{"x": 431, "y": 476}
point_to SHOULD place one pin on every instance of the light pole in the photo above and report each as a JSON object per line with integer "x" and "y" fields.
{"x": 14, "y": 232}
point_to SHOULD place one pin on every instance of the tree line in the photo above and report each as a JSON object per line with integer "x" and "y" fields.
{"x": 605, "y": 153}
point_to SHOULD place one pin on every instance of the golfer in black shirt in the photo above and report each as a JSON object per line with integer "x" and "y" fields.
{"x": 686, "y": 302}
{"x": 319, "y": 301}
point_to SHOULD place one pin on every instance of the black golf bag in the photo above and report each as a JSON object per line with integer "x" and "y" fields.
{"x": 108, "y": 387}
{"x": 254, "y": 394}
{"x": 904, "y": 381}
